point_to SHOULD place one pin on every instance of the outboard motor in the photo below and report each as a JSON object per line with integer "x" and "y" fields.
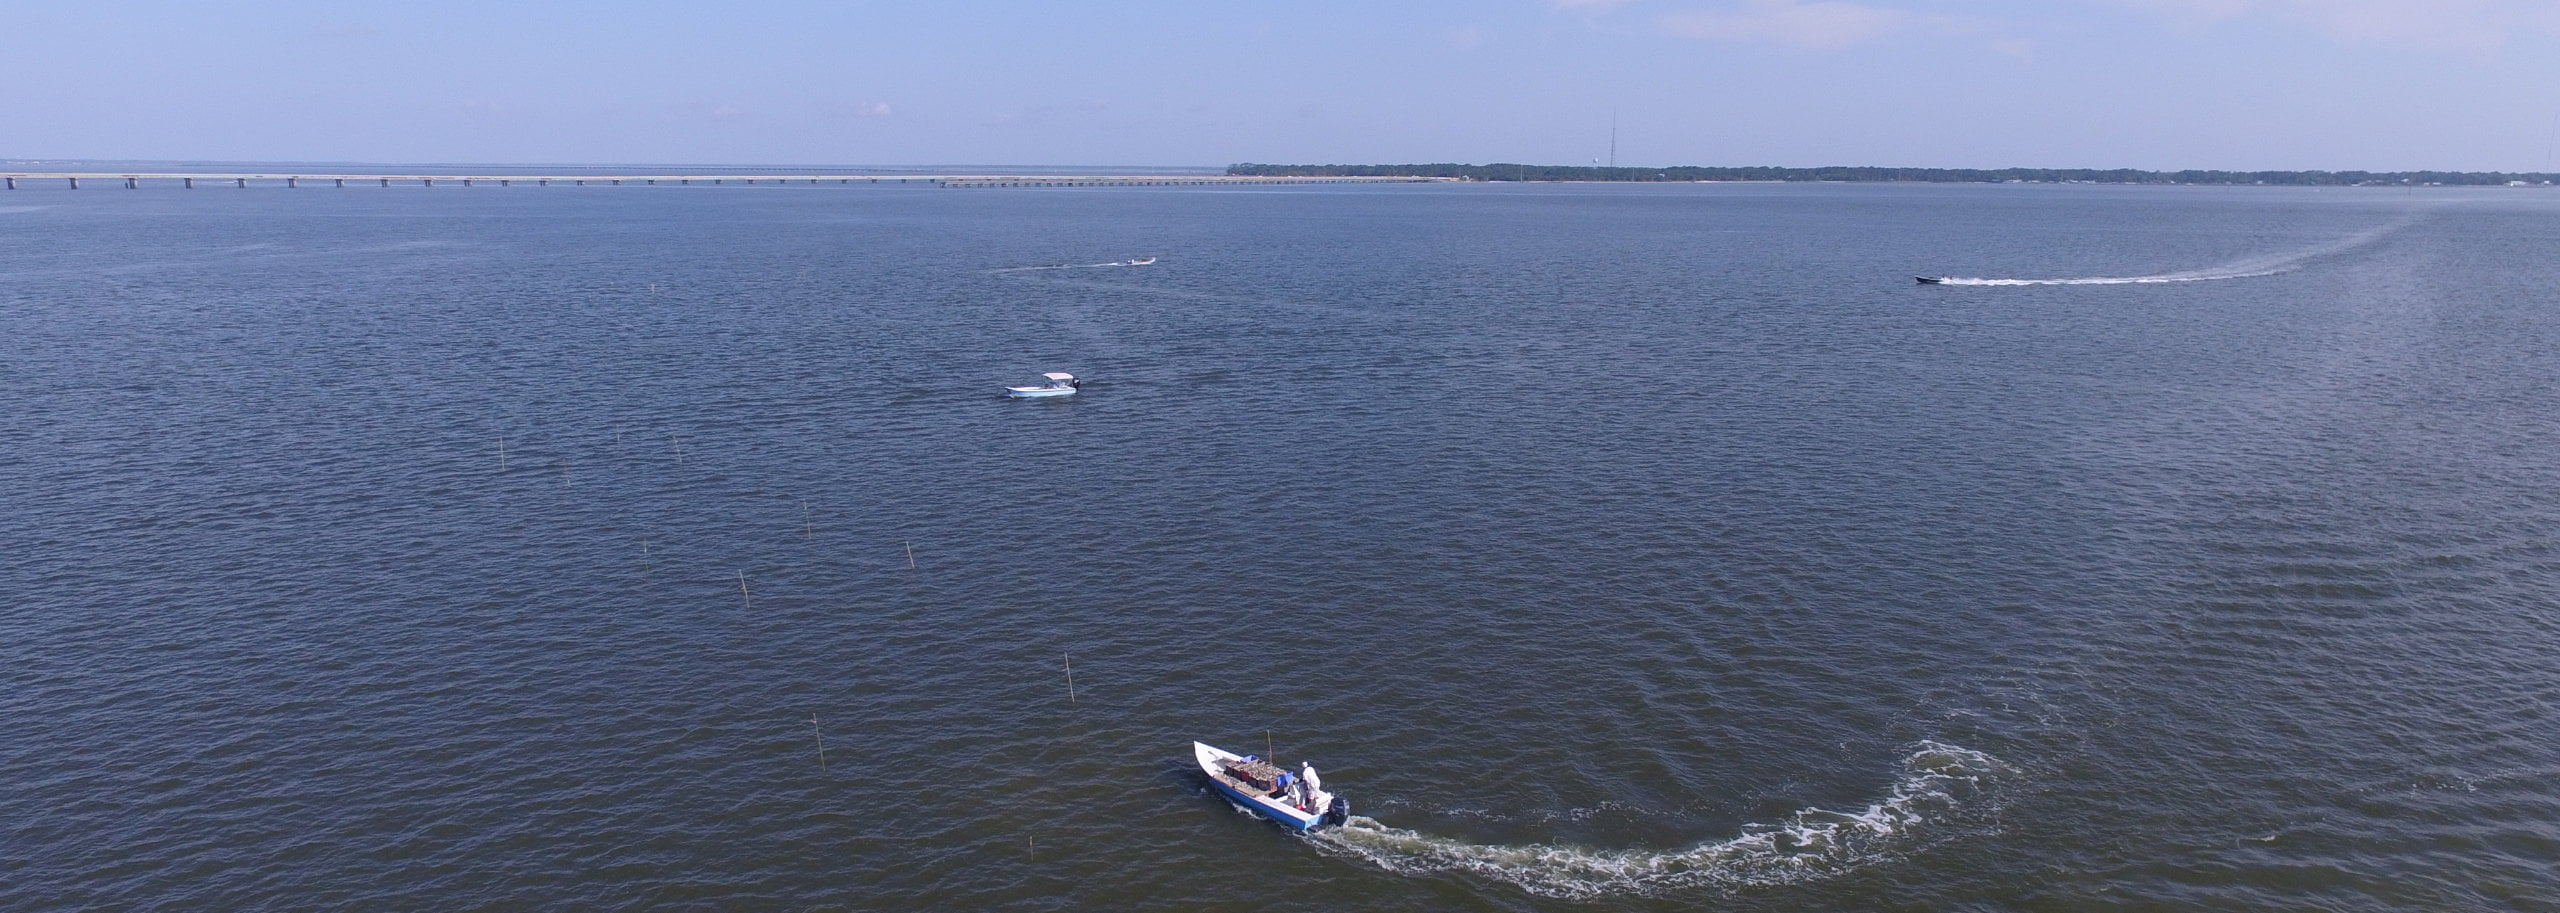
{"x": 1336, "y": 814}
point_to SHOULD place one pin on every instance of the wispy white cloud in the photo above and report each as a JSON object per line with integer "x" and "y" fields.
{"x": 1821, "y": 24}
{"x": 2471, "y": 26}
{"x": 2193, "y": 12}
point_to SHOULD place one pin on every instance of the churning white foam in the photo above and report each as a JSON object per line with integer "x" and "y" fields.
{"x": 1936, "y": 784}
{"x": 2247, "y": 268}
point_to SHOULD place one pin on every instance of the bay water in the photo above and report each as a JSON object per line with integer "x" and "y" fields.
{"x": 1610, "y": 547}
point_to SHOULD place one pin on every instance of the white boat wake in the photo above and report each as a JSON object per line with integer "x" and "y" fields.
{"x": 1139, "y": 261}
{"x": 2248, "y": 268}
{"x": 1937, "y": 783}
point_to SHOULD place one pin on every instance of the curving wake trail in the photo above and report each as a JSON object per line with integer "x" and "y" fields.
{"x": 2247, "y": 268}
{"x": 1937, "y": 783}
{"x": 1141, "y": 261}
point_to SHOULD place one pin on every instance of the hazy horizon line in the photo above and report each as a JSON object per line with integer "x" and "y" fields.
{"x": 880, "y": 166}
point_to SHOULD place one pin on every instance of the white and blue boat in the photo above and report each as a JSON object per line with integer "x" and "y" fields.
{"x": 1255, "y": 784}
{"x": 1060, "y": 383}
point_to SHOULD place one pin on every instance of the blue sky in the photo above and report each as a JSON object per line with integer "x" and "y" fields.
{"x": 2164, "y": 84}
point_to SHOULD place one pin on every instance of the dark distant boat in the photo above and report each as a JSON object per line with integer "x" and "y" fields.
{"x": 1258, "y": 785}
{"x": 1930, "y": 280}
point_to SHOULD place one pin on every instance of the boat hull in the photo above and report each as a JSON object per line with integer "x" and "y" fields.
{"x": 1263, "y": 807}
{"x": 1038, "y": 392}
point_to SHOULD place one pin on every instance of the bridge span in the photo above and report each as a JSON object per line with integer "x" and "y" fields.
{"x": 133, "y": 180}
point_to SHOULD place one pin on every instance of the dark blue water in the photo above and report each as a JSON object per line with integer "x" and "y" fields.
{"x": 1610, "y": 547}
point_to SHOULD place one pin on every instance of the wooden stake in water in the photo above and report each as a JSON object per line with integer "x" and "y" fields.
{"x": 742, "y": 590}
{"x": 911, "y": 554}
{"x": 822, "y": 742}
{"x": 502, "y": 453}
{"x": 1071, "y": 678}
{"x": 806, "y": 530}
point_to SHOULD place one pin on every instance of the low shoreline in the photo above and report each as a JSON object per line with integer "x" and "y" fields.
{"x": 1692, "y": 174}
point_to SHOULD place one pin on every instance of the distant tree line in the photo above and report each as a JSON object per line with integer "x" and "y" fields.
{"x": 1516, "y": 172}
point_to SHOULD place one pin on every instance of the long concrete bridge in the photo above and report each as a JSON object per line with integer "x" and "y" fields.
{"x": 189, "y": 179}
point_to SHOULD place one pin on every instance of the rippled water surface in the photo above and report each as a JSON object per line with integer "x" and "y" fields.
{"x": 1610, "y": 547}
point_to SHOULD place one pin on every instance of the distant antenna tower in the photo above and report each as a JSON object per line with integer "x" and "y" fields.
{"x": 1613, "y": 139}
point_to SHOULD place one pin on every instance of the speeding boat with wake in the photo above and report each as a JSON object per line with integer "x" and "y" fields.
{"x": 1297, "y": 800}
{"x": 1060, "y": 383}
{"x": 1930, "y": 280}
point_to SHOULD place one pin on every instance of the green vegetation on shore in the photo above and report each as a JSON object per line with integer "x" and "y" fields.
{"x": 1512, "y": 172}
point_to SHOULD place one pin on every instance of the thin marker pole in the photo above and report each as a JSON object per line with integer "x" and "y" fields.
{"x": 822, "y": 742}
{"x": 1071, "y": 678}
{"x": 1267, "y": 753}
{"x": 2552, "y": 147}
{"x": 742, "y": 590}
{"x": 806, "y": 530}
{"x": 502, "y": 453}
{"x": 911, "y": 554}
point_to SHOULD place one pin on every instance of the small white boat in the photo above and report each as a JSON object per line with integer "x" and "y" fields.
{"x": 1143, "y": 261}
{"x": 1060, "y": 384}
{"x": 1256, "y": 784}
